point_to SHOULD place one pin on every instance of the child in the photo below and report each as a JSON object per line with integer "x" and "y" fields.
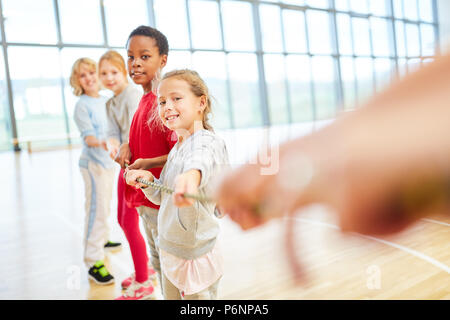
{"x": 147, "y": 55}
{"x": 187, "y": 231}
{"x": 120, "y": 110}
{"x": 96, "y": 166}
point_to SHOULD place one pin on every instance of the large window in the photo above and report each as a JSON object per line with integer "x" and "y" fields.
{"x": 269, "y": 62}
{"x": 5, "y": 132}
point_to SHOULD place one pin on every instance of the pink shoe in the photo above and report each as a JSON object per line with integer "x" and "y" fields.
{"x": 139, "y": 291}
{"x": 128, "y": 281}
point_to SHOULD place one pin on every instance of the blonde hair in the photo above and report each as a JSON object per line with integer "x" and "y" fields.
{"x": 116, "y": 60}
{"x": 198, "y": 88}
{"x": 74, "y": 81}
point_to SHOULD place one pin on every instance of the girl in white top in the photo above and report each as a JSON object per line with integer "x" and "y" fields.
{"x": 191, "y": 263}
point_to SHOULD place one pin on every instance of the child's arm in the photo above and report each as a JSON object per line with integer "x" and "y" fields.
{"x": 93, "y": 142}
{"x": 84, "y": 124}
{"x": 187, "y": 182}
{"x": 146, "y": 164}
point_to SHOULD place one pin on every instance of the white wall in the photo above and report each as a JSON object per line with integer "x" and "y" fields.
{"x": 444, "y": 24}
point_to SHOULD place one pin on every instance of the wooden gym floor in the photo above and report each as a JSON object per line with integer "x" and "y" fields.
{"x": 41, "y": 224}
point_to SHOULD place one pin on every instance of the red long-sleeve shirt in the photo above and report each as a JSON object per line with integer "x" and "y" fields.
{"x": 147, "y": 142}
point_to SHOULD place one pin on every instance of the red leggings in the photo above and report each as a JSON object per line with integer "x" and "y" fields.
{"x": 129, "y": 222}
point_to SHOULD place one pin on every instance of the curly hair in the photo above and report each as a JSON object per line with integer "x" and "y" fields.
{"x": 160, "y": 38}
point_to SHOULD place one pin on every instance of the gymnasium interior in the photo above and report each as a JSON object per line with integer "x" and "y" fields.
{"x": 278, "y": 70}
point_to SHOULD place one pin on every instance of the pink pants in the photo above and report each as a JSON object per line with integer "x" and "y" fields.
{"x": 129, "y": 222}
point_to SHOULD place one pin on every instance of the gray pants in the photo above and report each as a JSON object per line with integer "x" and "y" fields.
{"x": 150, "y": 220}
{"x": 173, "y": 293}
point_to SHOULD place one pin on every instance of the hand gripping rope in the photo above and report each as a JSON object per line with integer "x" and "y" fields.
{"x": 165, "y": 189}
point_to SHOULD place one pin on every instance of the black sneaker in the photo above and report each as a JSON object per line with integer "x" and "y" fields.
{"x": 100, "y": 274}
{"x": 112, "y": 245}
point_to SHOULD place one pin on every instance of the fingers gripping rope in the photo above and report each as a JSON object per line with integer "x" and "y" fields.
{"x": 163, "y": 188}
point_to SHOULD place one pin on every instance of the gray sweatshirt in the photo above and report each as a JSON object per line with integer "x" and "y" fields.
{"x": 190, "y": 232}
{"x": 120, "y": 111}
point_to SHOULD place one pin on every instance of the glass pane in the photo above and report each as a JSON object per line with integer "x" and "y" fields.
{"x": 344, "y": 34}
{"x": 246, "y": 103}
{"x": 398, "y": 8}
{"x": 205, "y": 24}
{"x": 271, "y": 28}
{"x": 426, "y": 10}
{"x": 319, "y": 32}
{"x": 178, "y": 60}
{"x": 324, "y": 88}
{"x": 361, "y": 36}
{"x": 400, "y": 37}
{"x": 383, "y": 73}
{"x": 212, "y": 68}
{"x": 380, "y": 37}
{"x": 68, "y": 57}
{"x": 294, "y": 31}
{"x": 428, "y": 40}
{"x": 36, "y": 84}
{"x": 274, "y": 69}
{"x": 348, "y": 82}
{"x": 171, "y": 20}
{"x": 237, "y": 20}
{"x": 341, "y": 5}
{"x": 412, "y": 40}
{"x": 359, "y": 6}
{"x": 5, "y": 130}
{"x": 410, "y": 9}
{"x": 379, "y": 7}
{"x": 318, "y": 3}
{"x": 72, "y": 30}
{"x": 130, "y": 14}
{"x": 299, "y": 78}
{"x": 35, "y": 24}
{"x": 364, "y": 78}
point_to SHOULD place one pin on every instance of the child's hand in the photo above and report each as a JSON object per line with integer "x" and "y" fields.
{"x": 124, "y": 155}
{"x": 140, "y": 164}
{"x": 131, "y": 177}
{"x": 187, "y": 182}
{"x": 113, "y": 152}
{"x": 103, "y": 145}
{"x": 113, "y": 147}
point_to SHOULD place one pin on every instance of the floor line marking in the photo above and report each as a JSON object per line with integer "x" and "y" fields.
{"x": 415, "y": 253}
{"x": 436, "y": 221}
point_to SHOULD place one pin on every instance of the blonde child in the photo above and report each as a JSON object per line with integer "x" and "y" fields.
{"x": 147, "y": 50}
{"x": 191, "y": 263}
{"x": 96, "y": 166}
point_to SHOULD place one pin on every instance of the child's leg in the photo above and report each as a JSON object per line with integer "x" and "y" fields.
{"x": 170, "y": 292}
{"x": 105, "y": 193}
{"x": 129, "y": 222}
{"x": 209, "y": 293}
{"x": 94, "y": 224}
{"x": 150, "y": 219}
